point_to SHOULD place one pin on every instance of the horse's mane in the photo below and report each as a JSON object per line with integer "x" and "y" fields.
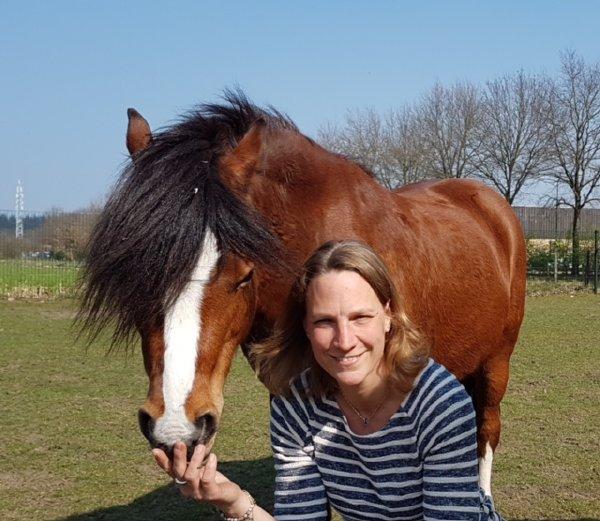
{"x": 148, "y": 238}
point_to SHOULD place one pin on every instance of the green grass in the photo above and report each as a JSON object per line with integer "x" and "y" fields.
{"x": 71, "y": 447}
{"x": 49, "y": 278}
{"x": 548, "y": 465}
{"x": 38, "y": 278}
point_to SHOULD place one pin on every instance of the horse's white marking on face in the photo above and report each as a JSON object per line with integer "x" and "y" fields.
{"x": 485, "y": 470}
{"x": 182, "y": 332}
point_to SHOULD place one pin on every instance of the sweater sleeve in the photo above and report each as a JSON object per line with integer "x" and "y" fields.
{"x": 448, "y": 443}
{"x": 299, "y": 491}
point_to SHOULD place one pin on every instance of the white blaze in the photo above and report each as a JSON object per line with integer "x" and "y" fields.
{"x": 182, "y": 332}
{"x": 485, "y": 470}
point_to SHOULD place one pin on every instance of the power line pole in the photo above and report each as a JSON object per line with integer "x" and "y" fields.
{"x": 19, "y": 209}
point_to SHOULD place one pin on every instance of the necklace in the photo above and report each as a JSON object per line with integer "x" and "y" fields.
{"x": 365, "y": 419}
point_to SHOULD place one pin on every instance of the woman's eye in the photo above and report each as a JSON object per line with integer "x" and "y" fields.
{"x": 323, "y": 322}
{"x": 245, "y": 281}
{"x": 362, "y": 319}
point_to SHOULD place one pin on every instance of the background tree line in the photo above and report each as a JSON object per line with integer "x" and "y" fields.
{"x": 55, "y": 235}
{"x": 511, "y": 132}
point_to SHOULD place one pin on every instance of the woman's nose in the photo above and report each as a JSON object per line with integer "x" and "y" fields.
{"x": 345, "y": 337}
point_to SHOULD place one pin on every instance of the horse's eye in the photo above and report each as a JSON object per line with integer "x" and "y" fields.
{"x": 246, "y": 280}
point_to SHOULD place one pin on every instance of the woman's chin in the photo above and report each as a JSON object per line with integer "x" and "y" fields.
{"x": 349, "y": 378}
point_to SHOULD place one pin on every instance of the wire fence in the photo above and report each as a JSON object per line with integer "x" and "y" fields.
{"x": 47, "y": 257}
{"x": 549, "y": 236}
{"x": 556, "y": 223}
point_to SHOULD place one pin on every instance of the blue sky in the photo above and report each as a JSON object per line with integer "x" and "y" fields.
{"x": 69, "y": 70}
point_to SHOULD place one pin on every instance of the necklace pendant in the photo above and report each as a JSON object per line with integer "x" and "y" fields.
{"x": 366, "y": 421}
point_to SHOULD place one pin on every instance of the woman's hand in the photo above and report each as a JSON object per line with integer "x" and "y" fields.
{"x": 203, "y": 481}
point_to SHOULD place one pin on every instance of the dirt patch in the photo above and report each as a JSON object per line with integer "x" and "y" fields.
{"x": 63, "y": 314}
{"x": 35, "y": 480}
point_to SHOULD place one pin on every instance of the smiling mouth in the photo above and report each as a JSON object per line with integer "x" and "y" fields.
{"x": 346, "y": 359}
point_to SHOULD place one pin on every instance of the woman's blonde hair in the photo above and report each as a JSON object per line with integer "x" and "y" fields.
{"x": 288, "y": 352}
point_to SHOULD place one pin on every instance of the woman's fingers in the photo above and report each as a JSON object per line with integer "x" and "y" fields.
{"x": 202, "y": 480}
{"x": 179, "y": 464}
{"x": 210, "y": 470}
{"x": 204, "y": 483}
{"x": 194, "y": 467}
{"x": 162, "y": 460}
{"x": 207, "y": 482}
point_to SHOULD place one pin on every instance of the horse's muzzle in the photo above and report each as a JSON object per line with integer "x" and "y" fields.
{"x": 206, "y": 428}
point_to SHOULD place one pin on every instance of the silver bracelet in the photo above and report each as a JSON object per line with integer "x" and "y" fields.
{"x": 248, "y": 515}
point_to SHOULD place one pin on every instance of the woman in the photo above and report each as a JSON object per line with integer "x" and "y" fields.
{"x": 362, "y": 420}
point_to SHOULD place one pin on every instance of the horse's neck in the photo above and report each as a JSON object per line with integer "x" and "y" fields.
{"x": 306, "y": 184}
{"x": 309, "y": 197}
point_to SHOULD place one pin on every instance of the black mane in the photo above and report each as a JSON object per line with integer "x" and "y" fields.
{"x": 148, "y": 238}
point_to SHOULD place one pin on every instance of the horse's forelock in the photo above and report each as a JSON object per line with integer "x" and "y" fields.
{"x": 149, "y": 237}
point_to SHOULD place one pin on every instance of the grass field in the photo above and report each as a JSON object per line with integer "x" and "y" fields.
{"x": 34, "y": 278}
{"x": 70, "y": 446}
{"x": 47, "y": 278}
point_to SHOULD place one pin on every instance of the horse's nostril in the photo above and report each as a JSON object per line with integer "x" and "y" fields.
{"x": 146, "y": 422}
{"x": 207, "y": 426}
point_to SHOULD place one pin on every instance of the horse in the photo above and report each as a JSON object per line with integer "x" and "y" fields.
{"x": 200, "y": 241}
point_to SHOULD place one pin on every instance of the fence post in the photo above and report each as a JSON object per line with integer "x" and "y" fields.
{"x": 586, "y": 273}
{"x": 555, "y": 262}
{"x": 596, "y": 267}
{"x": 556, "y": 237}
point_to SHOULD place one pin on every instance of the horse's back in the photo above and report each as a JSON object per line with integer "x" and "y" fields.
{"x": 463, "y": 200}
{"x": 468, "y": 268}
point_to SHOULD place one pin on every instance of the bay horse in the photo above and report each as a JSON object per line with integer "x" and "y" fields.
{"x": 199, "y": 243}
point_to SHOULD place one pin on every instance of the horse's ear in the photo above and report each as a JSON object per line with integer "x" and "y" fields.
{"x": 241, "y": 161}
{"x": 139, "y": 135}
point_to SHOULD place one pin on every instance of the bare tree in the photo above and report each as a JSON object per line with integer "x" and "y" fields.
{"x": 388, "y": 146}
{"x": 448, "y": 117}
{"x": 66, "y": 234}
{"x": 513, "y": 144}
{"x": 361, "y": 138}
{"x": 575, "y": 137}
{"x": 404, "y": 148}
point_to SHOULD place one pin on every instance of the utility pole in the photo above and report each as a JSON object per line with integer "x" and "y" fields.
{"x": 19, "y": 209}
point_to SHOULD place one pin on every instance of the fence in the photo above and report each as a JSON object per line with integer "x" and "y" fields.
{"x": 47, "y": 258}
{"x": 550, "y": 247}
{"x": 555, "y": 223}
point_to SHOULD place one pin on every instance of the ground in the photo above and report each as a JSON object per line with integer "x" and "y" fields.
{"x": 71, "y": 447}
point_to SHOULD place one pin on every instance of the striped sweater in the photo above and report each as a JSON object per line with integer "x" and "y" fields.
{"x": 422, "y": 465}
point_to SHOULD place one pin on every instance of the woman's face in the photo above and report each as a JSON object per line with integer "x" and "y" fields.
{"x": 346, "y": 325}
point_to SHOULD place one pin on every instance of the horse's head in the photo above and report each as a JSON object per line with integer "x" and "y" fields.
{"x": 176, "y": 256}
{"x": 188, "y": 354}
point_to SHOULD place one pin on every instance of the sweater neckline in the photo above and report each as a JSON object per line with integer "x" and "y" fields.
{"x": 399, "y": 413}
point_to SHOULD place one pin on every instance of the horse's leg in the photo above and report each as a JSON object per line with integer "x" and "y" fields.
{"x": 489, "y": 391}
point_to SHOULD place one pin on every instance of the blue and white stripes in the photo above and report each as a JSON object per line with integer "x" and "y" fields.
{"x": 422, "y": 465}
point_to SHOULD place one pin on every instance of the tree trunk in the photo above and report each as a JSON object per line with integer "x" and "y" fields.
{"x": 575, "y": 243}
